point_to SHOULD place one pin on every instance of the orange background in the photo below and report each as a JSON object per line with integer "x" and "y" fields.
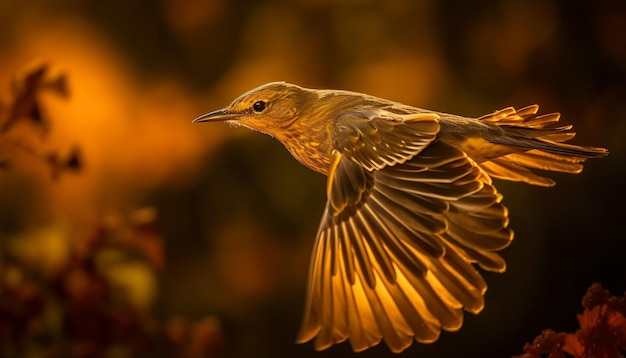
{"x": 234, "y": 216}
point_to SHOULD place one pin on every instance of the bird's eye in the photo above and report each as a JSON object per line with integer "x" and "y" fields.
{"x": 259, "y": 106}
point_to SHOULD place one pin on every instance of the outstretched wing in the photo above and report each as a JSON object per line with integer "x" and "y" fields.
{"x": 393, "y": 255}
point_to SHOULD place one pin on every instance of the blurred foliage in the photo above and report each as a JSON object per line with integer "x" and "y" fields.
{"x": 87, "y": 296}
{"x": 25, "y": 106}
{"x": 65, "y": 294}
{"x": 106, "y": 108}
{"x": 602, "y": 330}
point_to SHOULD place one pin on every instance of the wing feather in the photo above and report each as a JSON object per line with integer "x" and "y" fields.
{"x": 403, "y": 268}
{"x": 377, "y": 138}
{"x": 399, "y": 245}
{"x": 402, "y": 227}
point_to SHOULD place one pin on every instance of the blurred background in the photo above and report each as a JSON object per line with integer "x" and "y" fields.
{"x": 127, "y": 231}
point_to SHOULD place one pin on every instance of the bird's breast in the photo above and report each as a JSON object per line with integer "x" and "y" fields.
{"x": 310, "y": 147}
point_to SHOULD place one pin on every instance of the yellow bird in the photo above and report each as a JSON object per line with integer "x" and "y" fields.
{"x": 411, "y": 204}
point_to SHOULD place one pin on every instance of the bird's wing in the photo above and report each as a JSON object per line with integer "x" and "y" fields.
{"x": 393, "y": 255}
{"x": 377, "y": 138}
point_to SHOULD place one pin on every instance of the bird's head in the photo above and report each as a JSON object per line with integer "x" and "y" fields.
{"x": 269, "y": 108}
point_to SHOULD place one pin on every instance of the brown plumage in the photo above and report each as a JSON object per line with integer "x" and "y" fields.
{"x": 411, "y": 204}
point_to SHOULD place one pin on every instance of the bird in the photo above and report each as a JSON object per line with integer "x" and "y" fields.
{"x": 411, "y": 211}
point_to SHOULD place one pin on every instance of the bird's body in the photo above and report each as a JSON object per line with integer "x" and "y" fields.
{"x": 411, "y": 204}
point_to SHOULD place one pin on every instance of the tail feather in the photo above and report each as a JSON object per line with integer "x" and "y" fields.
{"x": 510, "y": 116}
{"x": 537, "y": 159}
{"x": 542, "y": 120}
{"x": 563, "y": 149}
{"x": 540, "y": 146}
{"x": 559, "y": 137}
{"x": 501, "y": 168}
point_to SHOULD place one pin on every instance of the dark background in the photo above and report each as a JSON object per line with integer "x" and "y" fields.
{"x": 234, "y": 216}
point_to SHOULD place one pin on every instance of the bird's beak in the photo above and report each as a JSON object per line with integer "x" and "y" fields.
{"x": 216, "y": 116}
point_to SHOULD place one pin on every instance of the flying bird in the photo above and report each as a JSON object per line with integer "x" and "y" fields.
{"x": 411, "y": 205}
